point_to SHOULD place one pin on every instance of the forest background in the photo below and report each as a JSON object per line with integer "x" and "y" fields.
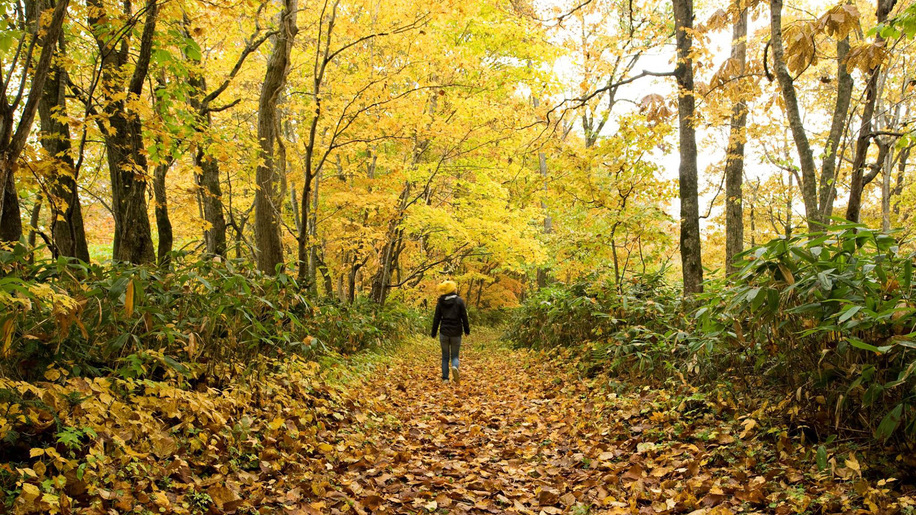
{"x": 191, "y": 187}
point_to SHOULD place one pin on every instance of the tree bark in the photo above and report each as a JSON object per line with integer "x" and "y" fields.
{"x": 210, "y": 193}
{"x": 734, "y": 163}
{"x": 12, "y": 141}
{"x": 212, "y": 200}
{"x": 802, "y": 145}
{"x": 313, "y": 233}
{"x": 123, "y": 133}
{"x": 886, "y": 189}
{"x": 33, "y": 228}
{"x": 857, "y": 182}
{"x": 901, "y": 178}
{"x": 837, "y": 126}
{"x": 543, "y": 273}
{"x": 67, "y": 229}
{"x": 163, "y": 224}
{"x": 267, "y": 203}
{"x": 687, "y": 170}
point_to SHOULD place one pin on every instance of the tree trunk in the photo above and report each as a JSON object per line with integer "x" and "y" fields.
{"x": 734, "y": 163}
{"x": 33, "y": 229}
{"x": 67, "y": 228}
{"x": 901, "y": 179}
{"x": 543, "y": 273}
{"x": 802, "y": 145}
{"x": 123, "y": 133}
{"x": 857, "y": 179}
{"x": 789, "y": 199}
{"x": 163, "y": 224}
{"x": 12, "y": 141}
{"x": 886, "y": 189}
{"x": 313, "y": 233}
{"x": 267, "y": 203}
{"x": 687, "y": 170}
{"x": 837, "y": 126}
{"x": 212, "y": 200}
{"x": 10, "y": 216}
{"x": 210, "y": 192}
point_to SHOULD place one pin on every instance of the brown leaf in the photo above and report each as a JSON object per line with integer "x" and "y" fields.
{"x": 224, "y": 498}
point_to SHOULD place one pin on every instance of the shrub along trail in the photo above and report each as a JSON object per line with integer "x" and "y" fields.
{"x": 523, "y": 435}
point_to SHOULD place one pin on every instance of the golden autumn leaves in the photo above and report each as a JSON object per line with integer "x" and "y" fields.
{"x": 801, "y": 39}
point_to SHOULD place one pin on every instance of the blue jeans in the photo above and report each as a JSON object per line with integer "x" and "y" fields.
{"x": 451, "y": 347}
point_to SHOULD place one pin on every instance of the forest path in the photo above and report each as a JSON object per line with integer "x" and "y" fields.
{"x": 517, "y": 435}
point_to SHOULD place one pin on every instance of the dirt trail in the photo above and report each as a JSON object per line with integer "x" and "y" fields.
{"x": 515, "y": 436}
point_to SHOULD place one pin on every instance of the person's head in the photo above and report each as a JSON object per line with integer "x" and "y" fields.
{"x": 447, "y": 288}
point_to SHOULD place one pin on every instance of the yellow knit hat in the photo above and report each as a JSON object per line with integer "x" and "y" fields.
{"x": 447, "y": 287}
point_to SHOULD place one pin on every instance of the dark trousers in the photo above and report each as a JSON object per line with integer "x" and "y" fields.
{"x": 451, "y": 347}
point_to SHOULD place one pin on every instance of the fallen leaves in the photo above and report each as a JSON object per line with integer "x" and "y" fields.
{"x": 520, "y": 435}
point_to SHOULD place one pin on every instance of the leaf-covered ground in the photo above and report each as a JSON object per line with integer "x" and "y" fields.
{"x": 521, "y": 434}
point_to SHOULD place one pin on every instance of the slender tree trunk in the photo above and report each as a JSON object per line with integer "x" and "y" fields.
{"x": 163, "y": 224}
{"x": 33, "y": 228}
{"x": 13, "y": 136}
{"x": 838, "y": 124}
{"x": 857, "y": 180}
{"x": 212, "y": 201}
{"x": 687, "y": 171}
{"x": 294, "y": 207}
{"x": 67, "y": 229}
{"x": 802, "y": 145}
{"x": 543, "y": 277}
{"x": 267, "y": 204}
{"x": 886, "y": 189}
{"x": 351, "y": 282}
{"x": 543, "y": 274}
{"x": 753, "y": 215}
{"x": 901, "y": 179}
{"x": 313, "y": 233}
{"x": 734, "y": 163}
{"x": 208, "y": 171}
{"x": 789, "y": 199}
{"x": 10, "y": 216}
{"x": 123, "y": 133}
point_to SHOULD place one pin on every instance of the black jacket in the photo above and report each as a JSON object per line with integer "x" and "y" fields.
{"x": 451, "y": 316}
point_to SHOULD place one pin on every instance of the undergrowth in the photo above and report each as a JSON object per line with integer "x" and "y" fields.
{"x": 98, "y": 319}
{"x": 822, "y": 324}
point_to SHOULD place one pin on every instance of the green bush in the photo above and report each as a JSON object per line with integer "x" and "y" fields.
{"x": 488, "y": 317}
{"x": 831, "y": 314}
{"x": 635, "y": 323}
{"x": 98, "y": 318}
{"x": 827, "y": 320}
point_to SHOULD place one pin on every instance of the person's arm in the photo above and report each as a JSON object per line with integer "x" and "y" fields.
{"x": 464, "y": 319}
{"x": 436, "y": 319}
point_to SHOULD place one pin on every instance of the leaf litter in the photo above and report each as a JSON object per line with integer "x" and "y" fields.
{"x": 521, "y": 434}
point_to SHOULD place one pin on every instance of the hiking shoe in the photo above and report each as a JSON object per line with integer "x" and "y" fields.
{"x": 455, "y": 377}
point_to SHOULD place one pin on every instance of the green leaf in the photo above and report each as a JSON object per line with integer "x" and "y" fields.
{"x": 192, "y": 50}
{"x": 889, "y": 423}
{"x": 849, "y": 313}
{"x": 859, "y": 344}
{"x": 821, "y": 458}
{"x": 907, "y": 274}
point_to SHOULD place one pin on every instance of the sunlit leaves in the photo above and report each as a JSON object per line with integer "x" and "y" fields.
{"x": 867, "y": 56}
{"x": 800, "y": 46}
{"x": 839, "y": 21}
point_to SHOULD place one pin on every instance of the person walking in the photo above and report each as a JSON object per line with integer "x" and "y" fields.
{"x": 450, "y": 319}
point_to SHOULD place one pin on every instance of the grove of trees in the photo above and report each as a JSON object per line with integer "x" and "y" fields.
{"x": 370, "y": 146}
{"x": 214, "y": 212}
